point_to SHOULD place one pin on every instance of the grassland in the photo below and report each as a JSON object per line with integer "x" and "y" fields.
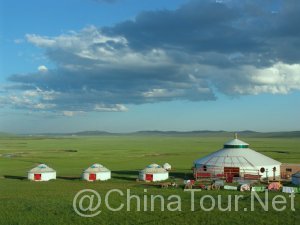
{"x": 25, "y": 202}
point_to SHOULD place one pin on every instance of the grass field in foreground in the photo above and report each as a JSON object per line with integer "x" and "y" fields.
{"x": 25, "y": 202}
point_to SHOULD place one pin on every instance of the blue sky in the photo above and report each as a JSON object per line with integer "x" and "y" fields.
{"x": 149, "y": 65}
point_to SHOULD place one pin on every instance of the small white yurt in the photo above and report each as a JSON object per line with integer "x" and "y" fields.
{"x": 96, "y": 172}
{"x": 296, "y": 178}
{"x": 167, "y": 166}
{"x": 42, "y": 173}
{"x": 154, "y": 172}
{"x": 236, "y": 159}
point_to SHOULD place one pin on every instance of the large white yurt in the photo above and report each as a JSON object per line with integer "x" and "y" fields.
{"x": 296, "y": 178}
{"x": 96, "y": 172}
{"x": 42, "y": 173}
{"x": 238, "y": 160}
{"x": 154, "y": 172}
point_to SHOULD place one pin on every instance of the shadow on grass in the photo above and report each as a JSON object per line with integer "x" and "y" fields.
{"x": 181, "y": 175}
{"x": 152, "y": 184}
{"x": 132, "y": 175}
{"x": 15, "y": 177}
{"x": 125, "y": 175}
{"x": 68, "y": 178}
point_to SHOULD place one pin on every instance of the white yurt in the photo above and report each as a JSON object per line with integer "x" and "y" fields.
{"x": 96, "y": 172}
{"x": 42, "y": 173}
{"x": 238, "y": 160}
{"x": 167, "y": 166}
{"x": 154, "y": 172}
{"x": 296, "y": 178}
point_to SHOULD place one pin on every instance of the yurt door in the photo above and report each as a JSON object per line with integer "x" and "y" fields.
{"x": 37, "y": 176}
{"x": 233, "y": 171}
{"x": 92, "y": 176}
{"x": 149, "y": 177}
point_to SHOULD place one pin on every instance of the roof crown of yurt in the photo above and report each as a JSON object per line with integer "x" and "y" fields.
{"x": 236, "y": 159}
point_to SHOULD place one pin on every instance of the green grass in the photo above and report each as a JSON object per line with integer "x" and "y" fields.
{"x": 25, "y": 202}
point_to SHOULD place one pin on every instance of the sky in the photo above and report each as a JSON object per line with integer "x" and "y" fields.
{"x": 129, "y": 65}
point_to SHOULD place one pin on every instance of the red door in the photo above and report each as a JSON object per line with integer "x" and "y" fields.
{"x": 232, "y": 171}
{"x": 149, "y": 177}
{"x": 92, "y": 176}
{"x": 37, "y": 176}
{"x": 229, "y": 178}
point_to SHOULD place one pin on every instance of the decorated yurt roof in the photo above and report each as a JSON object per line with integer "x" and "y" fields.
{"x": 236, "y": 153}
{"x": 95, "y": 168}
{"x": 42, "y": 168}
{"x": 296, "y": 174}
{"x": 154, "y": 168}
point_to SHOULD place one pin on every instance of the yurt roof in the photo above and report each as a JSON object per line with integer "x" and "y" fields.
{"x": 95, "y": 168}
{"x": 236, "y": 153}
{"x": 236, "y": 143}
{"x": 154, "y": 168}
{"x": 296, "y": 174}
{"x": 166, "y": 164}
{"x": 42, "y": 168}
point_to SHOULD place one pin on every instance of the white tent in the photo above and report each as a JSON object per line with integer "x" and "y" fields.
{"x": 42, "y": 173}
{"x": 296, "y": 178}
{"x": 238, "y": 159}
{"x": 96, "y": 172}
{"x": 153, "y": 172}
{"x": 167, "y": 166}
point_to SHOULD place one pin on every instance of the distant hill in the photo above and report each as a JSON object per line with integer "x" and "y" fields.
{"x": 184, "y": 133}
{"x": 207, "y": 133}
{"x": 200, "y": 133}
{"x": 4, "y": 134}
{"x": 281, "y": 134}
{"x": 91, "y": 133}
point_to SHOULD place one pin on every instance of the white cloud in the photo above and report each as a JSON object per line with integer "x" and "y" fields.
{"x": 110, "y": 108}
{"x": 68, "y": 113}
{"x": 102, "y": 50}
{"x": 280, "y": 78}
{"x": 18, "y": 41}
{"x": 75, "y": 40}
{"x": 162, "y": 93}
{"x": 30, "y": 99}
{"x": 31, "y": 93}
{"x": 242, "y": 49}
{"x": 42, "y": 69}
{"x": 40, "y": 41}
{"x": 38, "y": 93}
{"x": 43, "y": 106}
{"x": 103, "y": 68}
